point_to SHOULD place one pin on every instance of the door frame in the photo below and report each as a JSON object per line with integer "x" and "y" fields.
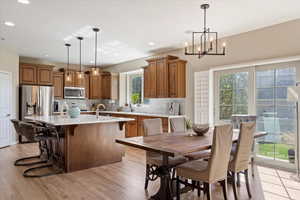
{"x": 12, "y": 115}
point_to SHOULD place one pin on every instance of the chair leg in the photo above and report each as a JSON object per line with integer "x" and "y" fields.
{"x": 224, "y": 188}
{"x": 198, "y": 188}
{"x": 252, "y": 166}
{"x": 147, "y": 176}
{"x": 207, "y": 189}
{"x": 234, "y": 185}
{"x": 19, "y": 161}
{"x": 247, "y": 183}
{"x": 238, "y": 181}
{"x": 177, "y": 188}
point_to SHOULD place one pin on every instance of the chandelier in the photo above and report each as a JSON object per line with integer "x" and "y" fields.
{"x": 206, "y": 42}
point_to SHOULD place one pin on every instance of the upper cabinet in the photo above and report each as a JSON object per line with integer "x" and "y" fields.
{"x": 69, "y": 82}
{"x": 165, "y": 77}
{"x": 58, "y": 84}
{"x": 34, "y": 74}
{"x": 110, "y": 85}
{"x": 95, "y": 86}
{"x": 177, "y": 79}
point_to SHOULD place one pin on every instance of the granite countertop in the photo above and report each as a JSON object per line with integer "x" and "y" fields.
{"x": 142, "y": 114}
{"x": 57, "y": 120}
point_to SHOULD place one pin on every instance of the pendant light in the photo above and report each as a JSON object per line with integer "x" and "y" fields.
{"x": 68, "y": 78}
{"x": 80, "y": 73}
{"x": 95, "y": 69}
{"x": 209, "y": 42}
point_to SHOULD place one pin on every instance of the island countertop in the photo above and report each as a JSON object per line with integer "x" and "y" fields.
{"x": 58, "y": 120}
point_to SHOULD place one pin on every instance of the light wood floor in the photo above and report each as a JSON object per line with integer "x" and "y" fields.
{"x": 119, "y": 181}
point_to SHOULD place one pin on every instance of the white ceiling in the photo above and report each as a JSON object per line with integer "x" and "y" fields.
{"x": 127, "y": 26}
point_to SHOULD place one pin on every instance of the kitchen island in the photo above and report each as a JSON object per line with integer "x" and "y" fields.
{"x": 87, "y": 141}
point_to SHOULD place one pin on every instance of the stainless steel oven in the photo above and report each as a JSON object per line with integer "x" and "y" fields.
{"x": 74, "y": 93}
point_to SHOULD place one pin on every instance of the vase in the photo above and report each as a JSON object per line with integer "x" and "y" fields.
{"x": 74, "y": 111}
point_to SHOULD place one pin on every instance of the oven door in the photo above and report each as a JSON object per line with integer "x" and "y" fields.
{"x": 74, "y": 93}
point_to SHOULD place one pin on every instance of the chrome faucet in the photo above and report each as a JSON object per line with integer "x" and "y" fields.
{"x": 98, "y": 109}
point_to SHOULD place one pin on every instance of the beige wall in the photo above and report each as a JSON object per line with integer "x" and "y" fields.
{"x": 271, "y": 42}
{"x": 9, "y": 62}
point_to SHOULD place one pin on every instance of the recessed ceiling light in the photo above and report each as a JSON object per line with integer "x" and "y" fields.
{"x": 151, "y": 43}
{"x": 24, "y": 1}
{"x": 92, "y": 61}
{"x": 46, "y": 55}
{"x": 7, "y": 23}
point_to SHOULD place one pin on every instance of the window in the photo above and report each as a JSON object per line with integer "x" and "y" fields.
{"x": 233, "y": 95}
{"x": 131, "y": 88}
{"x": 135, "y": 87}
{"x": 275, "y": 114}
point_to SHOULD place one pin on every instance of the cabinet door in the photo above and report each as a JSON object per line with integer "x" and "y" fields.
{"x": 79, "y": 82}
{"x": 71, "y": 82}
{"x": 45, "y": 75}
{"x": 172, "y": 80}
{"x": 162, "y": 80}
{"x": 95, "y": 87}
{"x": 28, "y": 74}
{"x": 106, "y": 86}
{"x": 58, "y": 83}
{"x": 87, "y": 85}
{"x": 150, "y": 80}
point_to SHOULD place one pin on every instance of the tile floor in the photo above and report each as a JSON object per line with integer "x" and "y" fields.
{"x": 278, "y": 185}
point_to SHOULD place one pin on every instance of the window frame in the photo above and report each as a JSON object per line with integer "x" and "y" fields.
{"x": 128, "y": 74}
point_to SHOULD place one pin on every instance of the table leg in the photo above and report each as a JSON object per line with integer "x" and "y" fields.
{"x": 164, "y": 192}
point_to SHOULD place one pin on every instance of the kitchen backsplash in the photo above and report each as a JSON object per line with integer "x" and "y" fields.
{"x": 158, "y": 106}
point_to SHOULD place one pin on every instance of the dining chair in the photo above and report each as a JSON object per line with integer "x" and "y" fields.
{"x": 211, "y": 171}
{"x": 178, "y": 124}
{"x": 240, "y": 161}
{"x": 154, "y": 160}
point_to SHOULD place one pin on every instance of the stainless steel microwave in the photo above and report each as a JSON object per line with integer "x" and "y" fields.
{"x": 74, "y": 93}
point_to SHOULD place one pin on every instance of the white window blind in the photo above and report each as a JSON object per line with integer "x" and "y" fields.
{"x": 201, "y": 95}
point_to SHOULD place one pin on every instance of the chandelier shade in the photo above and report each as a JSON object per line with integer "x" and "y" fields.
{"x": 68, "y": 78}
{"x": 95, "y": 69}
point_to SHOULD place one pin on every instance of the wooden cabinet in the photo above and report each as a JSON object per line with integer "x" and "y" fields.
{"x": 35, "y": 74}
{"x": 45, "y": 75}
{"x": 131, "y": 127}
{"x": 150, "y": 80}
{"x": 110, "y": 85}
{"x": 27, "y": 74}
{"x": 87, "y": 85}
{"x": 58, "y": 83}
{"x": 177, "y": 79}
{"x": 162, "y": 83}
{"x": 95, "y": 87}
{"x": 165, "y": 77}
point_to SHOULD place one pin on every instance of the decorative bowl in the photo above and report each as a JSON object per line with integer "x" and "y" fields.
{"x": 200, "y": 129}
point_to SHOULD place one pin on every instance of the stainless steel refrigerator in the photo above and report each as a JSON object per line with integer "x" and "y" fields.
{"x": 35, "y": 101}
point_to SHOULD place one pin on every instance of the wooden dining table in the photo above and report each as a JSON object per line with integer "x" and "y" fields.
{"x": 171, "y": 145}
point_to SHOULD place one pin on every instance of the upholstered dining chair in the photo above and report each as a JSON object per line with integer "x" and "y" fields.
{"x": 215, "y": 169}
{"x": 178, "y": 124}
{"x": 240, "y": 161}
{"x": 154, "y": 127}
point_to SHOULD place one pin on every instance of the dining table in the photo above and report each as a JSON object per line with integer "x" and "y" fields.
{"x": 170, "y": 145}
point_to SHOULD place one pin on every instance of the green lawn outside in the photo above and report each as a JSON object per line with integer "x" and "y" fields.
{"x": 281, "y": 150}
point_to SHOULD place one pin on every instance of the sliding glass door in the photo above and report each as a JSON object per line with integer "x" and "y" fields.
{"x": 275, "y": 114}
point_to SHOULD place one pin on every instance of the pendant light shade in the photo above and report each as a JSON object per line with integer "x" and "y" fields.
{"x": 68, "y": 77}
{"x": 95, "y": 69}
{"x": 80, "y": 73}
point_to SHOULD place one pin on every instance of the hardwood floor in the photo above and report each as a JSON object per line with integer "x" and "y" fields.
{"x": 119, "y": 181}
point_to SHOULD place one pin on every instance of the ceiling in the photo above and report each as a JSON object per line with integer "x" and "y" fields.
{"x": 127, "y": 26}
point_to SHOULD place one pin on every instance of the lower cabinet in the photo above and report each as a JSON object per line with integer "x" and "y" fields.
{"x": 136, "y": 128}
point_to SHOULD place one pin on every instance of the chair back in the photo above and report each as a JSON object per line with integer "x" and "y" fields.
{"x": 244, "y": 147}
{"x": 152, "y": 126}
{"x": 178, "y": 124}
{"x": 16, "y": 124}
{"x": 220, "y": 152}
{"x": 28, "y": 130}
